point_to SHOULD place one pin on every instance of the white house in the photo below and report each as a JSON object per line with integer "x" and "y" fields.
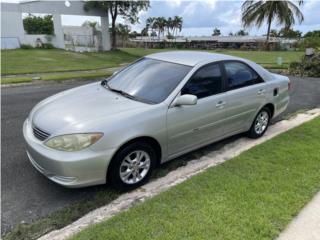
{"x": 13, "y": 34}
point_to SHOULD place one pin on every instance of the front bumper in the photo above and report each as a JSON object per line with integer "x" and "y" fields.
{"x": 70, "y": 169}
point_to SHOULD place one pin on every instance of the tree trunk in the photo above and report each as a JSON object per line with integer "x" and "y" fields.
{"x": 268, "y": 33}
{"x": 114, "y": 14}
{"x": 114, "y": 35}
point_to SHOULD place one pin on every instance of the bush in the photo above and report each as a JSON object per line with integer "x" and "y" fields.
{"x": 243, "y": 47}
{"x": 48, "y": 46}
{"x": 310, "y": 42}
{"x": 26, "y": 46}
{"x": 307, "y": 67}
{"x": 38, "y": 25}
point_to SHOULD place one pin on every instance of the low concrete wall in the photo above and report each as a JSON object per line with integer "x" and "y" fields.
{"x": 31, "y": 39}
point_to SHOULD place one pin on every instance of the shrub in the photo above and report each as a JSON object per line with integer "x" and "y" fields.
{"x": 38, "y": 25}
{"x": 310, "y": 42}
{"x": 243, "y": 47}
{"x": 48, "y": 46}
{"x": 307, "y": 67}
{"x": 26, "y": 46}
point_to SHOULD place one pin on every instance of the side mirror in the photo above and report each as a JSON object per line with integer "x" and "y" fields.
{"x": 186, "y": 99}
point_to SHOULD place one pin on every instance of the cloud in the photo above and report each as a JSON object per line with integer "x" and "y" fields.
{"x": 174, "y": 3}
{"x": 190, "y": 9}
{"x": 201, "y": 16}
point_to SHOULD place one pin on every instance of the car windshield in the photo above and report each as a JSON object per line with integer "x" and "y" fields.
{"x": 149, "y": 80}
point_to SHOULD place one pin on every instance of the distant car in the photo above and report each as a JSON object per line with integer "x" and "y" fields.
{"x": 156, "y": 109}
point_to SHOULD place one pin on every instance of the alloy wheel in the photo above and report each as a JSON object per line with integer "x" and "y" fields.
{"x": 134, "y": 167}
{"x": 261, "y": 122}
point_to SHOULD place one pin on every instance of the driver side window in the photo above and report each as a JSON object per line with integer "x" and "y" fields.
{"x": 205, "y": 82}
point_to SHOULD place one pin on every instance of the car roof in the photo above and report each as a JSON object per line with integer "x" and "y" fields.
{"x": 190, "y": 58}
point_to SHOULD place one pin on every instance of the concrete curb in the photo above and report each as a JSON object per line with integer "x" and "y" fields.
{"x": 42, "y": 82}
{"x": 177, "y": 176}
{"x": 306, "y": 225}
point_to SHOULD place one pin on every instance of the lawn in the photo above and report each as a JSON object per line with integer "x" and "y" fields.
{"x": 253, "y": 196}
{"x": 55, "y": 60}
{"x": 58, "y": 76}
{"x": 22, "y": 61}
{"x": 57, "y": 64}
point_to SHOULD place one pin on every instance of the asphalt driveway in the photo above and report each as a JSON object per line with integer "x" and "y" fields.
{"x": 26, "y": 194}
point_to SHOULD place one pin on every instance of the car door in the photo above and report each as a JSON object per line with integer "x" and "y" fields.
{"x": 192, "y": 126}
{"x": 246, "y": 93}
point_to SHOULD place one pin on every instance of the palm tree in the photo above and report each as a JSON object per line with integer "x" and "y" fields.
{"x": 216, "y": 32}
{"x": 150, "y": 24}
{"x": 144, "y": 32}
{"x": 123, "y": 31}
{"x": 170, "y": 25}
{"x": 273, "y": 33}
{"x": 283, "y": 12}
{"x": 93, "y": 26}
{"x": 160, "y": 24}
{"x": 177, "y": 23}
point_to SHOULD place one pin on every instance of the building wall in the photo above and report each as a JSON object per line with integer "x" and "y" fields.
{"x": 77, "y": 30}
{"x": 13, "y": 34}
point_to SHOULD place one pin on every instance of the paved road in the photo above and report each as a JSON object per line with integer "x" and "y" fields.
{"x": 26, "y": 194}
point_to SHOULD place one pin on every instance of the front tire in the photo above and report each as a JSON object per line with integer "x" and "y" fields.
{"x": 260, "y": 123}
{"x": 131, "y": 166}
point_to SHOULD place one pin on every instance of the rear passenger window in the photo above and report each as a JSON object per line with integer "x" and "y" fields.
{"x": 205, "y": 82}
{"x": 240, "y": 75}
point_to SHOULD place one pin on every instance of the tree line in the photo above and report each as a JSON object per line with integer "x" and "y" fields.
{"x": 254, "y": 13}
{"x": 161, "y": 26}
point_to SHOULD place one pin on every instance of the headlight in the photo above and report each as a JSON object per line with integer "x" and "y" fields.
{"x": 73, "y": 142}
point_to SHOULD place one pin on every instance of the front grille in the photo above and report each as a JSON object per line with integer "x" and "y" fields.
{"x": 40, "y": 134}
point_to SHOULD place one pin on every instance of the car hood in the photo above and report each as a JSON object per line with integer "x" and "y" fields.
{"x": 77, "y": 109}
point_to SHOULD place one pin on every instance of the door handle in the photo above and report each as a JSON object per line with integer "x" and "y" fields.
{"x": 261, "y": 91}
{"x": 220, "y": 104}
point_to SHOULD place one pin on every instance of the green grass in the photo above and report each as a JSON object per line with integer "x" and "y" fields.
{"x": 267, "y": 59}
{"x": 15, "y": 80}
{"x": 52, "y": 61}
{"x": 55, "y": 60}
{"x": 57, "y": 76}
{"x": 22, "y": 61}
{"x": 253, "y": 196}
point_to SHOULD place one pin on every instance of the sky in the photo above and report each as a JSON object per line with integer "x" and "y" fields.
{"x": 201, "y": 16}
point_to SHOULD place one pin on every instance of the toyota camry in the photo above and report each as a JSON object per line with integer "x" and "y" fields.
{"x": 154, "y": 110}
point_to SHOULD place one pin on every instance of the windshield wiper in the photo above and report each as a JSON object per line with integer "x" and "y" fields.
{"x": 105, "y": 84}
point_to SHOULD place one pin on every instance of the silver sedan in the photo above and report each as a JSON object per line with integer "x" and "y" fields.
{"x": 156, "y": 109}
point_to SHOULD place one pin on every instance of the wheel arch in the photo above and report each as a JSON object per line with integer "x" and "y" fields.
{"x": 271, "y": 107}
{"x": 150, "y": 140}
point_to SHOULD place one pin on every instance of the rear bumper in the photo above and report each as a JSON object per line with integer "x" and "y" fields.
{"x": 70, "y": 169}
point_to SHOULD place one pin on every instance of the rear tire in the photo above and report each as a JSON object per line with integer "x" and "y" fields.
{"x": 260, "y": 123}
{"x": 132, "y": 166}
